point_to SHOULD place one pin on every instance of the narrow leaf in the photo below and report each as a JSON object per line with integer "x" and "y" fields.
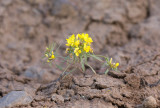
{"x": 59, "y": 67}
{"x": 91, "y": 68}
{"x": 82, "y": 64}
{"x": 94, "y": 56}
{"x": 106, "y": 71}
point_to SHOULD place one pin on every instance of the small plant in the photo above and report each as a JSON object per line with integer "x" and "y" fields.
{"x": 78, "y": 51}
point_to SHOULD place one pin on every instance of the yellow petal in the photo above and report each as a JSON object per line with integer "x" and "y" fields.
{"x": 76, "y": 49}
{"x": 77, "y": 43}
{"x": 52, "y": 57}
{"x": 110, "y": 61}
{"x": 46, "y": 55}
{"x": 91, "y": 50}
{"x": 90, "y": 39}
{"x": 117, "y": 64}
{"x": 79, "y": 51}
{"x": 77, "y": 54}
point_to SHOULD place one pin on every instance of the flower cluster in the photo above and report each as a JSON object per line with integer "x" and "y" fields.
{"x": 49, "y": 54}
{"x": 79, "y": 44}
{"x": 113, "y": 65}
{"x": 78, "y": 51}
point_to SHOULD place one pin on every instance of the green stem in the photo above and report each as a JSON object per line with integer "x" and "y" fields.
{"x": 91, "y": 68}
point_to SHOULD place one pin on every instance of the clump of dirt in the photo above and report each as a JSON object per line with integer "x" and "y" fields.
{"x": 126, "y": 30}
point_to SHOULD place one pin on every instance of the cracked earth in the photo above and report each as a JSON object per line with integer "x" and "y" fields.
{"x": 126, "y": 30}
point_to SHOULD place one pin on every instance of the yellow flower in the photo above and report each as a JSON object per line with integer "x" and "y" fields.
{"x": 86, "y": 48}
{"x": 77, "y": 51}
{"x": 89, "y": 40}
{"x": 91, "y": 50}
{"x": 48, "y": 61}
{"x": 116, "y": 65}
{"x": 81, "y": 36}
{"x": 52, "y": 57}
{"x": 70, "y": 40}
{"x": 113, "y": 65}
{"x": 77, "y": 43}
{"x": 86, "y": 37}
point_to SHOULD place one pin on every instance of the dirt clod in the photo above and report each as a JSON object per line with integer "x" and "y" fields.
{"x": 57, "y": 98}
{"x": 150, "y": 102}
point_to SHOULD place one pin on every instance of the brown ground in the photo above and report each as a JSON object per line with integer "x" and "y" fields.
{"x": 126, "y": 30}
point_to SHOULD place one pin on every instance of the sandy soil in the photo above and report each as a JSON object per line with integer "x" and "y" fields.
{"x": 126, "y": 30}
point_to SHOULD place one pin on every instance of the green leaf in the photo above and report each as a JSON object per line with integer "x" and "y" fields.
{"x": 59, "y": 67}
{"x": 94, "y": 56}
{"x": 106, "y": 71}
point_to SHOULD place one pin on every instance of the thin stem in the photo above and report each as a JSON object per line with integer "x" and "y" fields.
{"x": 66, "y": 69}
{"x": 91, "y": 68}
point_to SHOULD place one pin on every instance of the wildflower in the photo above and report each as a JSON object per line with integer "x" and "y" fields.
{"x": 70, "y": 41}
{"x": 116, "y": 65}
{"x": 81, "y": 36}
{"x": 86, "y": 48}
{"x": 91, "y": 50}
{"x": 81, "y": 43}
{"x": 52, "y": 57}
{"x": 87, "y": 39}
{"x": 113, "y": 65}
{"x": 77, "y": 43}
{"x": 77, "y": 51}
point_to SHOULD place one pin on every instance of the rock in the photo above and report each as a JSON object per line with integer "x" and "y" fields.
{"x": 57, "y": 98}
{"x": 38, "y": 74}
{"x": 12, "y": 46}
{"x": 15, "y": 98}
{"x": 150, "y": 102}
